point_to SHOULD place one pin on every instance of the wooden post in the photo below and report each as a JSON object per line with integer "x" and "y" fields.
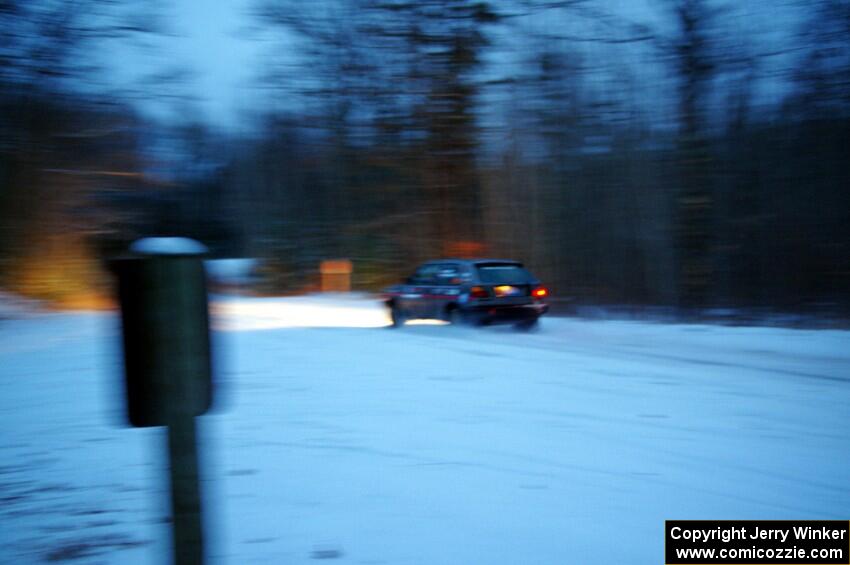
{"x": 167, "y": 366}
{"x": 187, "y": 528}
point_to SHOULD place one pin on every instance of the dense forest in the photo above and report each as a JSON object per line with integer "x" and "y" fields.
{"x": 688, "y": 162}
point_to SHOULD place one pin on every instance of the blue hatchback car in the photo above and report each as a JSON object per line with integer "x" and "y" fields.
{"x": 469, "y": 291}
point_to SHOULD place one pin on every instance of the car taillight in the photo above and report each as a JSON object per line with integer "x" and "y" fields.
{"x": 479, "y": 292}
{"x": 539, "y": 292}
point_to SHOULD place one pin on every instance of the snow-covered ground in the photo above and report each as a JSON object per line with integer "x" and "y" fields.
{"x": 337, "y": 438}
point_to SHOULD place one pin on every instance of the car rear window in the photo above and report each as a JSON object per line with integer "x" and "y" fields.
{"x": 504, "y": 273}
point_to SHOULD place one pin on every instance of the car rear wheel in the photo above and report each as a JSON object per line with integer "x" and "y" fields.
{"x": 528, "y": 325}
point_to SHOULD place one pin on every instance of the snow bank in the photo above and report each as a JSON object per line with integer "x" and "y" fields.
{"x": 237, "y": 271}
{"x": 314, "y": 311}
{"x": 14, "y": 306}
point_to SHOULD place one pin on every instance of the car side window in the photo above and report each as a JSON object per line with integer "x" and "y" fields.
{"x": 448, "y": 274}
{"x": 426, "y": 274}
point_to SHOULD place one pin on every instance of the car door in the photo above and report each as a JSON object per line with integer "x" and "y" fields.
{"x": 444, "y": 289}
{"x": 414, "y": 299}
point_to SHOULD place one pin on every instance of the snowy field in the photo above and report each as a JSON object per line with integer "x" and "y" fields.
{"x": 336, "y": 438}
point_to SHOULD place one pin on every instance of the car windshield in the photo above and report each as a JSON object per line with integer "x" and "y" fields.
{"x": 503, "y": 273}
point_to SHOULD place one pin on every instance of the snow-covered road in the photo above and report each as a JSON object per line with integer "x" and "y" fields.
{"x": 337, "y": 438}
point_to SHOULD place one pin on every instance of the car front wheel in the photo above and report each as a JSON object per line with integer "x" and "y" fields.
{"x": 397, "y": 316}
{"x": 457, "y": 318}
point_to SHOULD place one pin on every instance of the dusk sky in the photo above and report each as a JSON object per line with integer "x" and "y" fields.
{"x": 216, "y": 43}
{"x": 221, "y": 46}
